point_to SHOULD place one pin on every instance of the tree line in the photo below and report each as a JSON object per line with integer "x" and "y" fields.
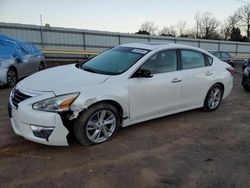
{"x": 235, "y": 28}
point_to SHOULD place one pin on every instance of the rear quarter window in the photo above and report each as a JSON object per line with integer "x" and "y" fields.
{"x": 210, "y": 60}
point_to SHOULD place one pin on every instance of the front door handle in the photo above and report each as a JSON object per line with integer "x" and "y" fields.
{"x": 176, "y": 80}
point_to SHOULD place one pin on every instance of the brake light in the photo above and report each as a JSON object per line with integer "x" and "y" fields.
{"x": 231, "y": 70}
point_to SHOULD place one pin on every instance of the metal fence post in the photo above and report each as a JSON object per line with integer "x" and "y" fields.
{"x": 84, "y": 40}
{"x": 199, "y": 43}
{"x": 41, "y": 34}
{"x": 149, "y": 38}
{"x": 119, "y": 39}
{"x": 218, "y": 46}
{"x": 237, "y": 46}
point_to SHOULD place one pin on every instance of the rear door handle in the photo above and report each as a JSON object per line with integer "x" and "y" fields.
{"x": 176, "y": 80}
{"x": 208, "y": 73}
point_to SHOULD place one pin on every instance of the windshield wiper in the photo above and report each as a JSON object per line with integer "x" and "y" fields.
{"x": 95, "y": 71}
{"x": 90, "y": 70}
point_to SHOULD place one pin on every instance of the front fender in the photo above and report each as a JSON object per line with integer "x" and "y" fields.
{"x": 117, "y": 92}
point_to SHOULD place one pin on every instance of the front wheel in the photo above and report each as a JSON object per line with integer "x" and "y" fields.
{"x": 97, "y": 124}
{"x": 213, "y": 98}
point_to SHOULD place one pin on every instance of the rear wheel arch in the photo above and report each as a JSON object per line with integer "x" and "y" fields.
{"x": 222, "y": 86}
{"x": 218, "y": 85}
{"x": 43, "y": 65}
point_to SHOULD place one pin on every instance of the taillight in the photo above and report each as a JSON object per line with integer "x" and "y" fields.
{"x": 231, "y": 70}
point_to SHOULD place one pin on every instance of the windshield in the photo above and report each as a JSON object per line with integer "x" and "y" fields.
{"x": 114, "y": 61}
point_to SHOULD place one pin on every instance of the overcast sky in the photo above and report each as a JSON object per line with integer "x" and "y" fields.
{"x": 112, "y": 15}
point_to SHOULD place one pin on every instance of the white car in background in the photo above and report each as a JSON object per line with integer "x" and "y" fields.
{"x": 122, "y": 86}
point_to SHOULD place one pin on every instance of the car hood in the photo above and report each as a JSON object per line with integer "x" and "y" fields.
{"x": 62, "y": 79}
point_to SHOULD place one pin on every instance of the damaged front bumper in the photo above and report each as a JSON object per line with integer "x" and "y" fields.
{"x": 38, "y": 126}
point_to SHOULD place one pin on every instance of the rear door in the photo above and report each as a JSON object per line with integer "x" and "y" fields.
{"x": 33, "y": 60}
{"x": 197, "y": 77}
{"x": 22, "y": 64}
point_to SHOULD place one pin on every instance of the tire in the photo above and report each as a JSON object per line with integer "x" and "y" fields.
{"x": 213, "y": 100}
{"x": 247, "y": 88}
{"x": 11, "y": 77}
{"x": 89, "y": 127}
{"x": 245, "y": 84}
{"x": 232, "y": 64}
{"x": 41, "y": 66}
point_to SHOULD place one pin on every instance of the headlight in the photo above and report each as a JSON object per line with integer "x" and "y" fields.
{"x": 56, "y": 104}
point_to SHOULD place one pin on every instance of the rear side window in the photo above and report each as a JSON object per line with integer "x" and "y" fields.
{"x": 225, "y": 55}
{"x": 216, "y": 54}
{"x": 192, "y": 59}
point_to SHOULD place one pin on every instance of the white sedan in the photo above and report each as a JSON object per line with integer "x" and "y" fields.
{"x": 122, "y": 86}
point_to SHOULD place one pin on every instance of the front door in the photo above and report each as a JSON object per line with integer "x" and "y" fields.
{"x": 159, "y": 94}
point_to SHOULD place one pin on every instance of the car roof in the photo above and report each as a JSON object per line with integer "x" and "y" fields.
{"x": 155, "y": 46}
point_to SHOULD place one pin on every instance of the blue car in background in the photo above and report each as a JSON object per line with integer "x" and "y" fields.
{"x": 18, "y": 59}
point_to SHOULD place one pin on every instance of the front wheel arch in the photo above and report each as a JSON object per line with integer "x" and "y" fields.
{"x": 80, "y": 124}
{"x": 113, "y": 103}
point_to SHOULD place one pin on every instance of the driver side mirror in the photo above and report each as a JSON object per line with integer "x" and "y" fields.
{"x": 143, "y": 73}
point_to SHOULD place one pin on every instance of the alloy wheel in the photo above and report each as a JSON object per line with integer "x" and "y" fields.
{"x": 11, "y": 78}
{"x": 214, "y": 98}
{"x": 101, "y": 125}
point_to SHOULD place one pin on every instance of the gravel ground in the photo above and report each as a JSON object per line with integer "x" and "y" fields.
{"x": 190, "y": 149}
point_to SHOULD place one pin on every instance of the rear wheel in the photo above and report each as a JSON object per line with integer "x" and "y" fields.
{"x": 11, "y": 77}
{"x": 213, "y": 98}
{"x": 97, "y": 125}
{"x": 41, "y": 66}
{"x": 232, "y": 64}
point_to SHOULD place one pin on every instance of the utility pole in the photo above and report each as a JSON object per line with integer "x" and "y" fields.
{"x": 41, "y": 30}
{"x": 41, "y": 20}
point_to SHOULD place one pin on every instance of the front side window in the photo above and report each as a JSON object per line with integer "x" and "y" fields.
{"x": 165, "y": 61}
{"x": 114, "y": 61}
{"x": 192, "y": 59}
